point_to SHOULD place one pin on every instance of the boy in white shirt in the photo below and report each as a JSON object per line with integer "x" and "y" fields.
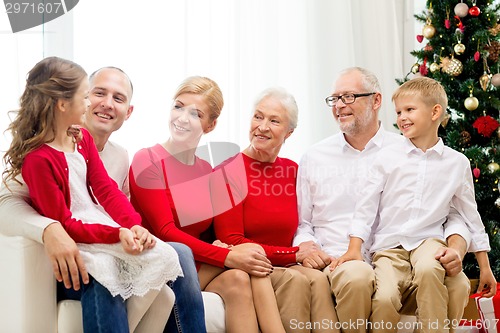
{"x": 406, "y": 198}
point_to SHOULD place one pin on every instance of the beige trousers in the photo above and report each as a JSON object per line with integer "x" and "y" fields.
{"x": 304, "y": 300}
{"x": 416, "y": 276}
{"x": 352, "y": 284}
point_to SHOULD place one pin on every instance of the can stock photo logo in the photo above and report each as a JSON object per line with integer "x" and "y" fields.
{"x": 24, "y": 14}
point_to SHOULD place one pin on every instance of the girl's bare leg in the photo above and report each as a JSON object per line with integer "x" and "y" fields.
{"x": 234, "y": 287}
{"x": 266, "y": 306}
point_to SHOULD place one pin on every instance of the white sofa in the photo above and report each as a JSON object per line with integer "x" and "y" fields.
{"x": 28, "y": 294}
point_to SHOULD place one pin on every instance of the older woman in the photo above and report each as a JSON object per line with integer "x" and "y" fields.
{"x": 169, "y": 187}
{"x": 255, "y": 196}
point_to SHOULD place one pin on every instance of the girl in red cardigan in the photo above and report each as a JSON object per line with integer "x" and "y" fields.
{"x": 68, "y": 183}
{"x": 169, "y": 187}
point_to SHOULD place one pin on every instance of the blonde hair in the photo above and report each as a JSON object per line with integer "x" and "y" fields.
{"x": 48, "y": 81}
{"x": 205, "y": 87}
{"x": 430, "y": 91}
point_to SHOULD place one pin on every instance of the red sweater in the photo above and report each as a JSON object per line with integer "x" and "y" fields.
{"x": 174, "y": 201}
{"x": 264, "y": 205}
{"x": 45, "y": 171}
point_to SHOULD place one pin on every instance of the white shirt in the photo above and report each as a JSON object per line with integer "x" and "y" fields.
{"x": 328, "y": 184}
{"x": 18, "y": 218}
{"x": 412, "y": 192}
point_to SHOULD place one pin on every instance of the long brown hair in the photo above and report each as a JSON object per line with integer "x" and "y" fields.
{"x": 50, "y": 80}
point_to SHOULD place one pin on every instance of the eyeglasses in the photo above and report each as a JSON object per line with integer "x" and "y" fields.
{"x": 346, "y": 98}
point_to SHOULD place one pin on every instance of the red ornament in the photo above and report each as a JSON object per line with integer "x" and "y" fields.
{"x": 477, "y": 56}
{"x": 474, "y": 11}
{"x": 476, "y": 172}
{"x": 460, "y": 25}
{"x": 447, "y": 24}
{"x": 420, "y": 38}
{"x": 486, "y": 125}
{"x": 423, "y": 68}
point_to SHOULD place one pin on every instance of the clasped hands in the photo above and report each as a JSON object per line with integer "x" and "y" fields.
{"x": 249, "y": 257}
{"x": 136, "y": 239}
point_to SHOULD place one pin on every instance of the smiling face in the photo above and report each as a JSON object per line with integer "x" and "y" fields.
{"x": 79, "y": 104}
{"x": 270, "y": 126}
{"x": 417, "y": 120}
{"x": 355, "y": 118}
{"x": 190, "y": 119}
{"x": 110, "y": 95}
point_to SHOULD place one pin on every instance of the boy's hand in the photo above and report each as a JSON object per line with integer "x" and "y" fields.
{"x": 348, "y": 256}
{"x": 487, "y": 283}
{"x": 143, "y": 238}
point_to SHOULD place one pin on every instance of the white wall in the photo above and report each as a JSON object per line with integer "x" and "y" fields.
{"x": 245, "y": 46}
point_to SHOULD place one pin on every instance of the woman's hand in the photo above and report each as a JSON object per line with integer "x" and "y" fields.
{"x": 220, "y": 244}
{"x": 249, "y": 257}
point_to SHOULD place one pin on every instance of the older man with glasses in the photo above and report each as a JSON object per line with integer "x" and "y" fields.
{"x": 328, "y": 186}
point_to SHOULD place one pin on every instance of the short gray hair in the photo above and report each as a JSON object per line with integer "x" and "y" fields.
{"x": 285, "y": 99}
{"x": 369, "y": 79}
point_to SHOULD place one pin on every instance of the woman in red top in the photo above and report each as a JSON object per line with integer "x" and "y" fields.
{"x": 169, "y": 187}
{"x": 261, "y": 188}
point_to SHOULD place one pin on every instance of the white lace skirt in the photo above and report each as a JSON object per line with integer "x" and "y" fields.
{"x": 125, "y": 274}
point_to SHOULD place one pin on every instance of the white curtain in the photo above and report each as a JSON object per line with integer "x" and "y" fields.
{"x": 244, "y": 45}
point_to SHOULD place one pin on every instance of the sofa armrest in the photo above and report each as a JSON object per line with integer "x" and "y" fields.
{"x": 28, "y": 288}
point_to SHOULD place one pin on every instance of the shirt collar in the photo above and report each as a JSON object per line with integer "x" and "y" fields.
{"x": 376, "y": 140}
{"x": 410, "y": 147}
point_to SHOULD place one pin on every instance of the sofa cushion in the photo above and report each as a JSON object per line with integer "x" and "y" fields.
{"x": 69, "y": 315}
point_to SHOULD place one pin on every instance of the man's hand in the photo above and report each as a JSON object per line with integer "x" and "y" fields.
{"x": 450, "y": 259}
{"x": 249, "y": 257}
{"x": 310, "y": 255}
{"x": 65, "y": 257}
{"x": 306, "y": 249}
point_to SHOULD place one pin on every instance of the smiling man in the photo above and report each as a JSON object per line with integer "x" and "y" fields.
{"x": 328, "y": 185}
{"x": 110, "y": 97}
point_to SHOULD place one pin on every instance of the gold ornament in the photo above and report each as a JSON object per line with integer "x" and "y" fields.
{"x": 495, "y": 30}
{"x": 471, "y": 103}
{"x": 484, "y": 81}
{"x": 495, "y": 80}
{"x": 434, "y": 67}
{"x": 493, "y": 167}
{"x": 428, "y": 31}
{"x": 415, "y": 68}
{"x": 459, "y": 48}
{"x": 453, "y": 67}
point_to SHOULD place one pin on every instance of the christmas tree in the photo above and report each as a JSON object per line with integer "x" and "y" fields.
{"x": 461, "y": 50}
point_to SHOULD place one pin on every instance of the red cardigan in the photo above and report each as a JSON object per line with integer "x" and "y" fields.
{"x": 174, "y": 201}
{"x": 46, "y": 173}
{"x": 264, "y": 205}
